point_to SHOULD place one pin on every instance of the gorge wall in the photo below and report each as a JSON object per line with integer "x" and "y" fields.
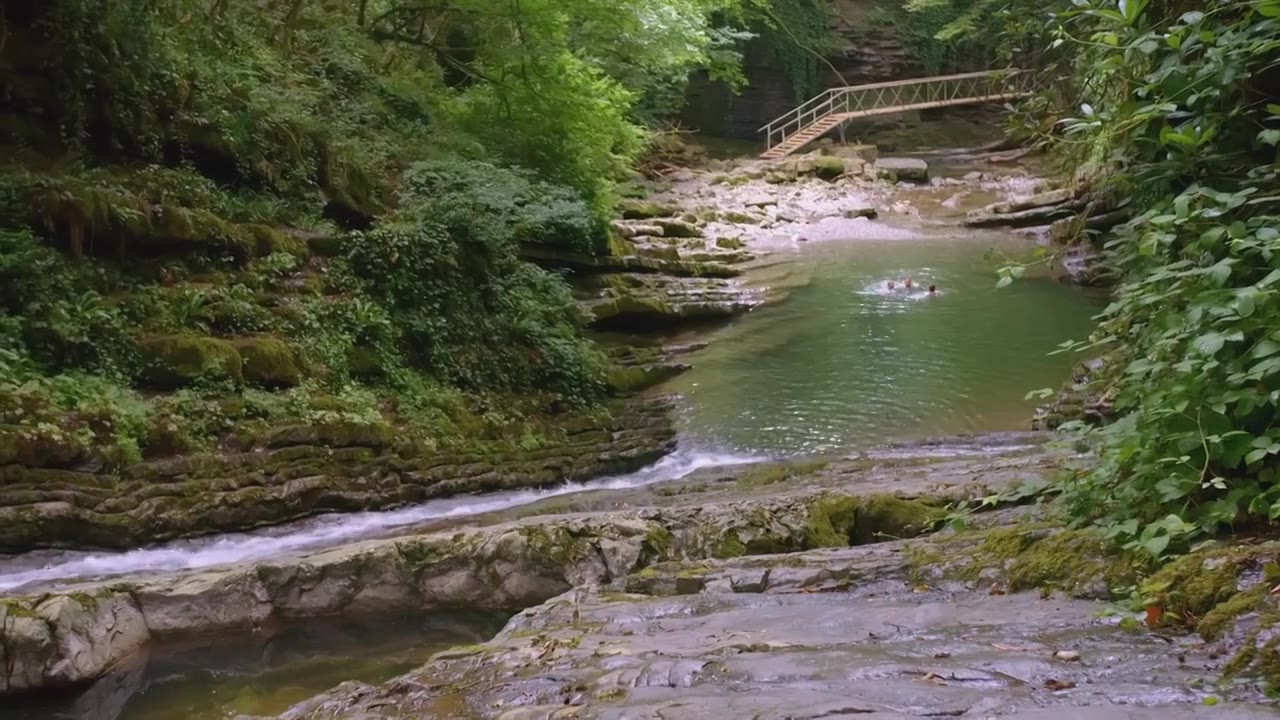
{"x": 869, "y": 47}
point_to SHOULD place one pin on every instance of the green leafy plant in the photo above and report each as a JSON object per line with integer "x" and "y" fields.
{"x": 1168, "y": 111}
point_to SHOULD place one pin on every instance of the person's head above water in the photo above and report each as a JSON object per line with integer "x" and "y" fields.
{"x": 933, "y": 289}
{"x": 907, "y": 282}
{"x": 889, "y": 284}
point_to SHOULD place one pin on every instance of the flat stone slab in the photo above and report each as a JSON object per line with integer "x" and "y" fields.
{"x": 881, "y": 648}
{"x": 904, "y": 169}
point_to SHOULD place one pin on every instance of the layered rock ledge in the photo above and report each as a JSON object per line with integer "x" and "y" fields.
{"x": 303, "y": 471}
{"x": 66, "y": 635}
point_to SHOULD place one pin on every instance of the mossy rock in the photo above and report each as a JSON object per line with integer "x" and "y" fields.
{"x": 634, "y": 305}
{"x": 828, "y": 168}
{"x": 644, "y": 210}
{"x": 268, "y": 361}
{"x": 627, "y": 380}
{"x": 176, "y": 230}
{"x": 19, "y": 446}
{"x": 840, "y": 521}
{"x": 1079, "y": 562}
{"x": 176, "y": 361}
{"x": 268, "y": 241}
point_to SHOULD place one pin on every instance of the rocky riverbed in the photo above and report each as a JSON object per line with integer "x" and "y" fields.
{"x": 821, "y": 588}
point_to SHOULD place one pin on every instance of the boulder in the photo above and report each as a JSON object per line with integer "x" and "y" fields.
{"x": 66, "y": 639}
{"x": 268, "y": 361}
{"x": 829, "y": 168}
{"x": 175, "y": 361}
{"x": 678, "y": 228}
{"x": 903, "y": 169}
{"x": 644, "y": 210}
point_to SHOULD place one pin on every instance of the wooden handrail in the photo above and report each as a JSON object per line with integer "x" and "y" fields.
{"x": 888, "y": 98}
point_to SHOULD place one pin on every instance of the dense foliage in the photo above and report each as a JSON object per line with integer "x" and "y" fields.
{"x": 1171, "y": 107}
{"x": 217, "y": 216}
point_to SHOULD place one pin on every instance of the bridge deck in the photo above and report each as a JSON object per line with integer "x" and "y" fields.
{"x": 830, "y": 109}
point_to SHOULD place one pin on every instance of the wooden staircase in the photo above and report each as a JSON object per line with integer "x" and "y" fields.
{"x": 810, "y": 133}
{"x": 832, "y": 108}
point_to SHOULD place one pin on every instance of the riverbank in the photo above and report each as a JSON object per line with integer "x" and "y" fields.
{"x": 777, "y": 577}
{"x": 68, "y": 632}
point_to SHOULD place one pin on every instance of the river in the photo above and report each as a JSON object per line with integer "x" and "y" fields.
{"x": 844, "y": 362}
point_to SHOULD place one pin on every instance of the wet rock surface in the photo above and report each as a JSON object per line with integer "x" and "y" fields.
{"x": 500, "y": 562}
{"x": 302, "y": 471}
{"x": 862, "y": 631}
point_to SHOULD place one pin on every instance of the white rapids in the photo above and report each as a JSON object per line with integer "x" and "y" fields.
{"x": 326, "y": 530}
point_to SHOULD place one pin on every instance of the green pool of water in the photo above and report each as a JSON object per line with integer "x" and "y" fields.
{"x": 845, "y": 362}
{"x": 262, "y": 674}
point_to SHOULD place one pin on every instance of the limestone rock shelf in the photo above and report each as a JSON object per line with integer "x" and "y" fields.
{"x": 302, "y": 471}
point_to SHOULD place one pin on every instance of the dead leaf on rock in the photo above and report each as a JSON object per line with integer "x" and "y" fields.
{"x": 1154, "y": 614}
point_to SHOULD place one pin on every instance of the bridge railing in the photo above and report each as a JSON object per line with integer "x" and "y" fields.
{"x": 897, "y": 96}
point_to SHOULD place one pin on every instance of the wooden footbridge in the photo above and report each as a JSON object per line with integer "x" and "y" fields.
{"x": 836, "y": 106}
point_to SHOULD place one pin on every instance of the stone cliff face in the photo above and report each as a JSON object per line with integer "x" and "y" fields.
{"x": 867, "y": 53}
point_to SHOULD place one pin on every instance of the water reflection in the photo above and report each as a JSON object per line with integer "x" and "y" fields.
{"x": 848, "y": 362}
{"x": 264, "y": 673}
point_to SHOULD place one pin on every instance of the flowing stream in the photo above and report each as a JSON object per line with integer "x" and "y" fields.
{"x": 44, "y": 569}
{"x": 845, "y": 362}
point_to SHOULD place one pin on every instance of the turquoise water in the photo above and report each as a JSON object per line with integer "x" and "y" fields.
{"x": 845, "y": 362}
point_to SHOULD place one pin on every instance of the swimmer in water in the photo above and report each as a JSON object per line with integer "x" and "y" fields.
{"x": 933, "y": 289}
{"x": 907, "y": 283}
{"x": 889, "y": 284}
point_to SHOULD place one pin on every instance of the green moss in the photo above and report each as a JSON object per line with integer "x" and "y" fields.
{"x": 212, "y": 234}
{"x": 772, "y": 473}
{"x": 645, "y": 210}
{"x": 1040, "y": 557}
{"x": 175, "y": 361}
{"x": 730, "y": 243}
{"x": 1220, "y": 619}
{"x": 633, "y": 305}
{"x": 268, "y": 241}
{"x": 828, "y": 168}
{"x": 840, "y": 521}
{"x": 739, "y": 218}
{"x": 416, "y": 555}
{"x": 268, "y": 361}
{"x": 1195, "y": 585}
{"x": 737, "y": 180}
{"x": 730, "y": 546}
{"x": 657, "y": 546}
{"x": 555, "y": 543}
{"x": 831, "y": 521}
{"x": 886, "y": 517}
{"x": 17, "y": 608}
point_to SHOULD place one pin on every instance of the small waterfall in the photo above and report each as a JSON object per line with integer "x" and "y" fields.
{"x": 331, "y": 530}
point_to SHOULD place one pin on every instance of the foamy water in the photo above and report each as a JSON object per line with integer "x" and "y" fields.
{"x": 331, "y": 530}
